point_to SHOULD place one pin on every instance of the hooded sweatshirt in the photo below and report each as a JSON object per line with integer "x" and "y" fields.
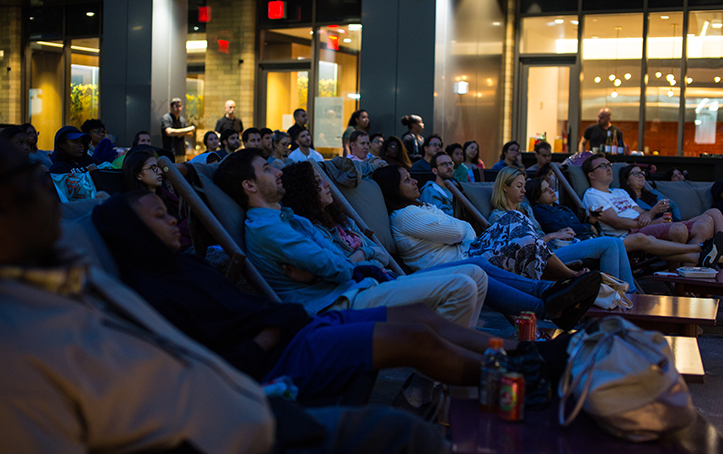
{"x": 192, "y": 295}
{"x": 64, "y": 163}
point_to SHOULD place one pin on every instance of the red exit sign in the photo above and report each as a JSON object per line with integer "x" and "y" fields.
{"x": 204, "y": 14}
{"x": 277, "y": 10}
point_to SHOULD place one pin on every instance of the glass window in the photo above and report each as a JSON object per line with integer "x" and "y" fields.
{"x": 286, "y": 44}
{"x": 44, "y": 23}
{"x": 547, "y": 6}
{"x": 549, "y": 35}
{"x": 83, "y": 20}
{"x": 339, "y": 11}
{"x": 84, "y": 80}
{"x": 611, "y": 5}
{"x": 337, "y": 95}
{"x": 612, "y": 49}
{"x": 662, "y": 95}
{"x": 286, "y": 91}
{"x": 704, "y": 89}
{"x": 294, "y": 12}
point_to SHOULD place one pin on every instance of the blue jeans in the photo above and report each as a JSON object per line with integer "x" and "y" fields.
{"x": 610, "y": 251}
{"x": 507, "y": 292}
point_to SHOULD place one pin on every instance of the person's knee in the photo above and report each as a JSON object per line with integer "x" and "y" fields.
{"x": 703, "y": 228}
{"x": 640, "y": 241}
{"x": 678, "y": 233}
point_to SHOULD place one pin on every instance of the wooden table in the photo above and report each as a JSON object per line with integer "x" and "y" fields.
{"x": 475, "y": 432}
{"x": 696, "y": 286}
{"x": 687, "y": 358}
{"x": 668, "y": 314}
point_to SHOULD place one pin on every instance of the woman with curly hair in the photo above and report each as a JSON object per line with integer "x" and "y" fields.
{"x": 393, "y": 151}
{"x": 308, "y": 193}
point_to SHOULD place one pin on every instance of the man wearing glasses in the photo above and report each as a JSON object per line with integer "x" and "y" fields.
{"x": 621, "y": 217}
{"x": 434, "y": 192}
{"x": 432, "y": 146}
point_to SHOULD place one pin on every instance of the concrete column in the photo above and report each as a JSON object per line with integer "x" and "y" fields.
{"x": 143, "y": 64}
{"x": 397, "y": 62}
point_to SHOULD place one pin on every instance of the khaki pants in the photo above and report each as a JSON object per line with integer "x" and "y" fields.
{"x": 456, "y": 293}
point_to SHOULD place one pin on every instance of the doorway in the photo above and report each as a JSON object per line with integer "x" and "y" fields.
{"x": 283, "y": 89}
{"x": 549, "y": 104}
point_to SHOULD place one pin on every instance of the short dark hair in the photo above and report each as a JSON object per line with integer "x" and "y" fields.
{"x": 542, "y": 144}
{"x": 507, "y": 146}
{"x": 433, "y": 161}
{"x": 375, "y": 135}
{"x": 355, "y": 136}
{"x": 137, "y": 137}
{"x": 451, "y": 147}
{"x": 245, "y": 135}
{"x": 297, "y": 133}
{"x": 226, "y": 133}
{"x": 176, "y": 101}
{"x": 89, "y": 125}
{"x": 233, "y": 171}
{"x": 298, "y": 111}
{"x": 428, "y": 139}
{"x": 12, "y": 131}
{"x": 543, "y": 170}
{"x": 265, "y": 131}
{"x": 587, "y": 164}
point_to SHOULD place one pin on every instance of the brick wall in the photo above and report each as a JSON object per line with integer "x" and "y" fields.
{"x": 226, "y": 78}
{"x": 10, "y": 39}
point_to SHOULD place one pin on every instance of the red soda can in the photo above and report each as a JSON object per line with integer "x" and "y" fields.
{"x": 512, "y": 397}
{"x": 525, "y": 327}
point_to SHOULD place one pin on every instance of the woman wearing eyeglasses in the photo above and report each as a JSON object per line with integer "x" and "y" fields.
{"x": 141, "y": 171}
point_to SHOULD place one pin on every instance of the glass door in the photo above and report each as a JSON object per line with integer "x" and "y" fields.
{"x": 546, "y": 105}
{"x": 284, "y": 88}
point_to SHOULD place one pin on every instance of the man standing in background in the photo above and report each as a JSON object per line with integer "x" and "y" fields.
{"x": 229, "y": 121}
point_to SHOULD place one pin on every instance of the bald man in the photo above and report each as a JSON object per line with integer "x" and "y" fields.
{"x": 229, "y": 121}
{"x": 597, "y": 134}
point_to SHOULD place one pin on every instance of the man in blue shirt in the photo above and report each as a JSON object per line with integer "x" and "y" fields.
{"x": 435, "y": 192}
{"x": 432, "y": 146}
{"x": 301, "y": 265}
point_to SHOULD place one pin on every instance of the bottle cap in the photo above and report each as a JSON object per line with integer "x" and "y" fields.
{"x": 496, "y": 342}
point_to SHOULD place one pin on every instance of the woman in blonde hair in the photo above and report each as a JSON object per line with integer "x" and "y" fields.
{"x": 514, "y": 223}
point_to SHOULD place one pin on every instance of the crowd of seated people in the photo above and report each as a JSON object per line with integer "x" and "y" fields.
{"x": 343, "y": 312}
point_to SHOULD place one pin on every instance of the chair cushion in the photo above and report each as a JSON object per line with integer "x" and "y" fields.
{"x": 579, "y": 182}
{"x": 479, "y": 194}
{"x": 368, "y": 201}
{"x": 231, "y": 216}
{"x": 81, "y": 235}
{"x": 692, "y": 198}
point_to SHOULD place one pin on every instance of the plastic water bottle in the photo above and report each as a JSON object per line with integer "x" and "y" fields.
{"x": 494, "y": 366}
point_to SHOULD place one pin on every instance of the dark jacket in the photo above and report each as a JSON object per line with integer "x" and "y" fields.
{"x": 64, "y": 163}
{"x": 192, "y": 295}
{"x": 556, "y": 217}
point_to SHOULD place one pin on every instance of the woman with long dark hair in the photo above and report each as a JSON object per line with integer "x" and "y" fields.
{"x": 510, "y": 156}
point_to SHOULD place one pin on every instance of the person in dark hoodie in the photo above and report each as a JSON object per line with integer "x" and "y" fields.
{"x": 70, "y": 154}
{"x": 264, "y": 339}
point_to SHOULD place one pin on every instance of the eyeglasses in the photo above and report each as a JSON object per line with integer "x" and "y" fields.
{"x": 604, "y": 165}
{"x": 100, "y": 132}
{"x": 153, "y": 168}
{"x": 637, "y": 174}
{"x": 445, "y": 164}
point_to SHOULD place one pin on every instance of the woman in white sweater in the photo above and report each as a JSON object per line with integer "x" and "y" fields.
{"x": 426, "y": 237}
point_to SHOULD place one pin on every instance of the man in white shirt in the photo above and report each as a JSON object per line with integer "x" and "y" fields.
{"x": 435, "y": 192}
{"x": 304, "y": 152}
{"x": 620, "y": 216}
